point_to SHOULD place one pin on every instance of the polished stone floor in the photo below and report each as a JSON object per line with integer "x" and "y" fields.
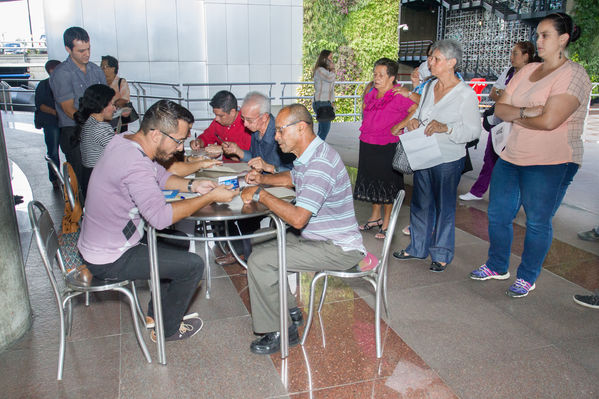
{"x": 447, "y": 335}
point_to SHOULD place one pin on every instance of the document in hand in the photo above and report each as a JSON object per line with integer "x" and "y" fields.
{"x": 422, "y": 151}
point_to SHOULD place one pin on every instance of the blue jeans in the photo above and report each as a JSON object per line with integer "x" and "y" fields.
{"x": 540, "y": 190}
{"x": 52, "y": 137}
{"x": 323, "y": 127}
{"x": 432, "y": 211}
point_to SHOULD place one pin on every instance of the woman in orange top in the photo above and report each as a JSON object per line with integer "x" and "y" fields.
{"x": 546, "y": 103}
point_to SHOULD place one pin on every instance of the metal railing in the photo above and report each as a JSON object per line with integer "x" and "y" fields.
{"x": 182, "y": 93}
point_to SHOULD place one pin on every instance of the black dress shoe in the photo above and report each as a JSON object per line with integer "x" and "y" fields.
{"x": 402, "y": 255}
{"x": 296, "y": 316}
{"x": 437, "y": 267}
{"x": 271, "y": 342}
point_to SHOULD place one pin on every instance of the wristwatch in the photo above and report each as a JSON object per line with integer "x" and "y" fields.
{"x": 256, "y": 196}
{"x": 189, "y": 184}
{"x": 522, "y": 116}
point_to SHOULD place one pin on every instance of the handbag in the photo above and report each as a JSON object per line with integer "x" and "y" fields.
{"x": 400, "y": 160}
{"x": 325, "y": 113}
{"x": 499, "y": 136}
{"x": 133, "y": 115}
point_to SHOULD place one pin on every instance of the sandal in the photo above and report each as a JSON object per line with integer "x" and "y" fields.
{"x": 369, "y": 224}
{"x": 381, "y": 234}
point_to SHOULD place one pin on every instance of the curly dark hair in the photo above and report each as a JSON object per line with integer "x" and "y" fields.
{"x": 94, "y": 100}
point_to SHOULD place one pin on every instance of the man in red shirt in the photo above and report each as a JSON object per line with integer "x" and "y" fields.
{"x": 227, "y": 124}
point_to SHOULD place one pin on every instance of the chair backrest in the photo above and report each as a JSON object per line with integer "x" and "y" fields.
{"x": 391, "y": 229}
{"x": 69, "y": 181}
{"x": 46, "y": 239}
{"x": 55, "y": 169}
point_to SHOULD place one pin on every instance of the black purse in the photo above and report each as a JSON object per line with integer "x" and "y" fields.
{"x": 133, "y": 115}
{"x": 325, "y": 113}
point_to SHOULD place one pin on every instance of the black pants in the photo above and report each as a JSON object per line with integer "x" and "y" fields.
{"x": 69, "y": 144}
{"x": 180, "y": 275}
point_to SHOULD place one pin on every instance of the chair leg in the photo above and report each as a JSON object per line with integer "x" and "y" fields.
{"x": 87, "y": 299}
{"x": 324, "y": 292}
{"x": 140, "y": 312}
{"x": 63, "y": 335}
{"x": 385, "y": 303}
{"x": 377, "y": 320}
{"x": 69, "y": 318}
{"x": 140, "y": 339}
{"x": 311, "y": 305}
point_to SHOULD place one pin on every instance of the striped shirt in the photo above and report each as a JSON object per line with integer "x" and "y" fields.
{"x": 322, "y": 187}
{"x": 94, "y": 138}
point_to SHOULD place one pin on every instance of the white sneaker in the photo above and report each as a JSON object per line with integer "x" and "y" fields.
{"x": 150, "y": 321}
{"x": 469, "y": 197}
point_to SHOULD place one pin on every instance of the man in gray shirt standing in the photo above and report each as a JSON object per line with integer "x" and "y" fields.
{"x": 68, "y": 83}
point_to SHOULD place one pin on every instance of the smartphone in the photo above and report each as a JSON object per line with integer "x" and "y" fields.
{"x": 229, "y": 180}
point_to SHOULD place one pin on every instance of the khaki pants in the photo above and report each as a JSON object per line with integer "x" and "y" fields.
{"x": 302, "y": 255}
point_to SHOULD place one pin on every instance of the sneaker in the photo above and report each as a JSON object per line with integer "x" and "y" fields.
{"x": 368, "y": 263}
{"x": 484, "y": 273}
{"x": 187, "y": 329}
{"x": 469, "y": 197}
{"x": 520, "y": 288}
{"x": 589, "y": 235}
{"x": 590, "y": 301}
{"x": 150, "y": 320}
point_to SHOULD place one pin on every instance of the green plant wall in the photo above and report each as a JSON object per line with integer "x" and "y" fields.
{"x": 359, "y": 32}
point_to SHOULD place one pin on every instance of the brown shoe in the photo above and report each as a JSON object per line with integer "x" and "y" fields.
{"x": 227, "y": 259}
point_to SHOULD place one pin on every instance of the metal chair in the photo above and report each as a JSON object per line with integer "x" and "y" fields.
{"x": 377, "y": 277}
{"x": 71, "y": 284}
{"x": 55, "y": 170}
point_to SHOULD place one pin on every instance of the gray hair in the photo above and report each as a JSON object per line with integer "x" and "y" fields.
{"x": 260, "y": 99}
{"x": 450, "y": 48}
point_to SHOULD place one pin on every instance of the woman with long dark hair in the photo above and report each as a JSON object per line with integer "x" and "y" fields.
{"x": 522, "y": 54}
{"x": 547, "y": 104}
{"x": 324, "y": 88}
{"x": 96, "y": 108}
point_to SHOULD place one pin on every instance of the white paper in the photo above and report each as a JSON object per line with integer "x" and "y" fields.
{"x": 232, "y": 168}
{"x": 423, "y": 151}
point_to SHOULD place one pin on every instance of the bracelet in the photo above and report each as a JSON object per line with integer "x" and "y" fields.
{"x": 189, "y": 184}
{"x": 522, "y": 116}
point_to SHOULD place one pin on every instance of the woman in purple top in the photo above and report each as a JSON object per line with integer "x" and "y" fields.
{"x": 384, "y": 117}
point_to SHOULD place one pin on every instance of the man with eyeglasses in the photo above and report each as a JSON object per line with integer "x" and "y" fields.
{"x": 227, "y": 125}
{"x": 264, "y": 155}
{"x": 125, "y": 192}
{"x": 323, "y": 213}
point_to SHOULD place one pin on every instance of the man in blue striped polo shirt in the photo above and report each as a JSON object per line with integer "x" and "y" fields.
{"x": 323, "y": 212}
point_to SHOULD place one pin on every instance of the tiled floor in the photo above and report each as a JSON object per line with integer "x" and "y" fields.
{"x": 447, "y": 335}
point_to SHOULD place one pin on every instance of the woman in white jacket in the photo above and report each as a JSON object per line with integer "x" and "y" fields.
{"x": 449, "y": 110}
{"x": 324, "y": 88}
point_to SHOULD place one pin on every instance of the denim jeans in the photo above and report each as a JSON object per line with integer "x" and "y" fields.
{"x": 52, "y": 137}
{"x": 540, "y": 190}
{"x": 323, "y": 127}
{"x": 180, "y": 275}
{"x": 432, "y": 211}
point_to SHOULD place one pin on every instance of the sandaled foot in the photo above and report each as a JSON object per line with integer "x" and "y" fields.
{"x": 371, "y": 224}
{"x": 403, "y": 255}
{"x": 381, "y": 234}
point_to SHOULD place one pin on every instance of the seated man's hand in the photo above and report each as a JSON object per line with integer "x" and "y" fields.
{"x": 203, "y": 186}
{"x": 231, "y": 148}
{"x": 207, "y": 163}
{"x": 260, "y": 165}
{"x": 247, "y": 194}
{"x": 196, "y": 144}
{"x": 223, "y": 193}
{"x": 253, "y": 177}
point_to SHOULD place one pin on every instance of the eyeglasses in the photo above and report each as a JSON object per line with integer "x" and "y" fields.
{"x": 280, "y": 128}
{"x": 179, "y": 142}
{"x": 250, "y": 120}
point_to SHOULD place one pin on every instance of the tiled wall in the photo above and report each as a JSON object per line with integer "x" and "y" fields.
{"x": 186, "y": 41}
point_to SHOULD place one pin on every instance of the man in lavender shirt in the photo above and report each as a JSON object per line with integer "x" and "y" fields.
{"x": 125, "y": 191}
{"x": 323, "y": 212}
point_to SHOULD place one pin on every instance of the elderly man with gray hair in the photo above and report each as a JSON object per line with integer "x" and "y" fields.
{"x": 449, "y": 111}
{"x": 264, "y": 154}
